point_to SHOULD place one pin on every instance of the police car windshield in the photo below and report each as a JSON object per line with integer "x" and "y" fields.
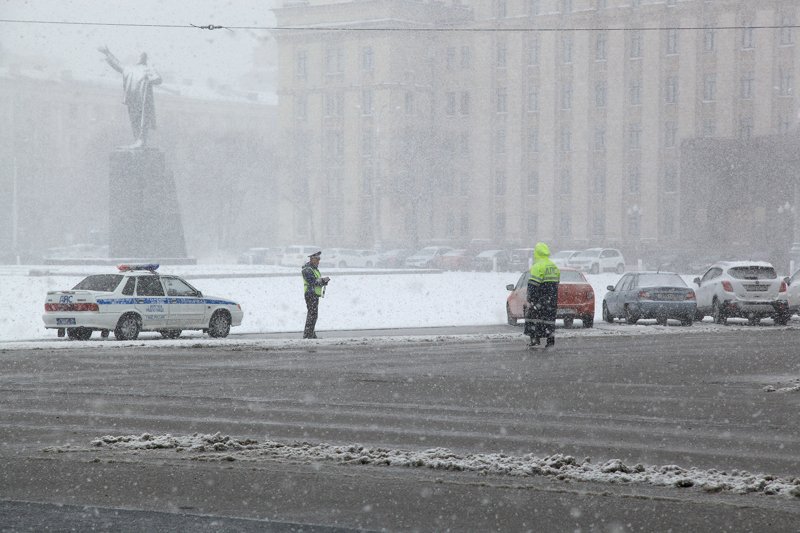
{"x": 99, "y": 282}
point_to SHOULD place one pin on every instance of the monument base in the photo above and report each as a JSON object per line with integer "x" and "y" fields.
{"x": 144, "y": 216}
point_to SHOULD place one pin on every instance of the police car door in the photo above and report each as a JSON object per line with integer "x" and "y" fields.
{"x": 186, "y": 305}
{"x": 151, "y": 302}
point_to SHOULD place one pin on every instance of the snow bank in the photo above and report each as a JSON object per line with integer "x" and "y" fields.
{"x": 217, "y": 447}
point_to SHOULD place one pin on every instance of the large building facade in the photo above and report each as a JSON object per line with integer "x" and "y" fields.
{"x": 519, "y": 120}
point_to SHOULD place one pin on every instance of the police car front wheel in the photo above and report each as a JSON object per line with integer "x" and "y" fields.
{"x": 220, "y": 324}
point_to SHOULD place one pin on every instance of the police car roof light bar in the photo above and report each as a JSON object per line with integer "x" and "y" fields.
{"x": 151, "y": 267}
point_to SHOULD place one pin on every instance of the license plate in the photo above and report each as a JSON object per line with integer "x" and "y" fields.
{"x": 670, "y": 296}
{"x": 65, "y": 321}
{"x": 756, "y": 288}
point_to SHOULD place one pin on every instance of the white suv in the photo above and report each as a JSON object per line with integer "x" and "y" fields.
{"x": 793, "y": 293}
{"x": 744, "y": 289}
{"x": 596, "y": 260}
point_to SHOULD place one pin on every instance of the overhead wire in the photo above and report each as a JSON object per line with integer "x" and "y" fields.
{"x": 406, "y": 29}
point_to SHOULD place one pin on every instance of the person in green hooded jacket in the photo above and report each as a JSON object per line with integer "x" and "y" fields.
{"x": 540, "y": 311}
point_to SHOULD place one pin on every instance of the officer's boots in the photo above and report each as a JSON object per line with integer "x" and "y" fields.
{"x": 551, "y": 341}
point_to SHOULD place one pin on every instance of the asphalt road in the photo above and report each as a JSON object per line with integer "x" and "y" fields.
{"x": 694, "y": 400}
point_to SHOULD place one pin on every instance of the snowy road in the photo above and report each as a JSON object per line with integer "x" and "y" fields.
{"x": 713, "y": 401}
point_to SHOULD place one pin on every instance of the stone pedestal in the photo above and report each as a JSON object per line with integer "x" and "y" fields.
{"x": 144, "y": 215}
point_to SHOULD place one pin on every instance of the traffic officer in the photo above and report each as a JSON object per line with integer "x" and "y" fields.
{"x": 540, "y": 313}
{"x": 314, "y": 289}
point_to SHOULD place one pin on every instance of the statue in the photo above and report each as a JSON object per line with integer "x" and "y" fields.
{"x": 137, "y": 82}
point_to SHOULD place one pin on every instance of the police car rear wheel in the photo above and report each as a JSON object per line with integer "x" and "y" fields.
{"x": 220, "y": 325}
{"x": 127, "y": 328}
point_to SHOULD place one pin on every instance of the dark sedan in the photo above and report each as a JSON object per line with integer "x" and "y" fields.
{"x": 659, "y": 295}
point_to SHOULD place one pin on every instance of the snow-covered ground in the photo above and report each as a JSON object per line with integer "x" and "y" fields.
{"x": 272, "y": 299}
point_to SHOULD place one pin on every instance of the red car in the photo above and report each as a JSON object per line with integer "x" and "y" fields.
{"x": 575, "y": 299}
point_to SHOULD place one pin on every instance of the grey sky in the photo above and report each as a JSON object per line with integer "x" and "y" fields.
{"x": 182, "y": 53}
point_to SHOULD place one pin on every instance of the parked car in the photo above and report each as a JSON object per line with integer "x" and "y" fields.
{"x": 793, "y": 293}
{"x": 521, "y": 259}
{"x": 297, "y": 255}
{"x": 260, "y": 256}
{"x": 595, "y": 260}
{"x": 458, "y": 259}
{"x": 575, "y": 299}
{"x": 349, "y": 257}
{"x": 426, "y": 257}
{"x": 744, "y": 289}
{"x": 394, "y": 258}
{"x": 491, "y": 261}
{"x": 561, "y": 257}
{"x": 659, "y": 295}
{"x": 136, "y": 299}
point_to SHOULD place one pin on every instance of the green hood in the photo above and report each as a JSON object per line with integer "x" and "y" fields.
{"x": 541, "y": 251}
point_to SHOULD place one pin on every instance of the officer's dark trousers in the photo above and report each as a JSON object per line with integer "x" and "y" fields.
{"x": 312, "y": 304}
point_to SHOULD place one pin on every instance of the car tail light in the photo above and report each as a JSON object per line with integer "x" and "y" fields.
{"x": 71, "y": 307}
{"x": 690, "y": 295}
{"x": 644, "y": 295}
{"x": 727, "y": 287}
{"x": 589, "y": 294}
{"x": 783, "y": 288}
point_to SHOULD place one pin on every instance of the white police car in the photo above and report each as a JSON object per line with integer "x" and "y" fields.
{"x": 137, "y": 299}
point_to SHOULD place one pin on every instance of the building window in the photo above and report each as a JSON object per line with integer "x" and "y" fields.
{"x": 500, "y": 226}
{"x": 366, "y": 143}
{"x": 500, "y": 56}
{"x": 466, "y": 57}
{"x": 301, "y": 64}
{"x": 746, "y": 128}
{"x": 668, "y": 224}
{"x": 672, "y": 41}
{"x": 600, "y": 94}
{"x": 746, "y": 86}
{"x": 334, "y": 104}
{"x": 601, "y": 4}
{"x": 566, "y": 96}
{"x": 533, "y": 50}
{"x": 599, "y": 182}
{"x": 635, "y": 136}
{"x": 450, "y": 58}
{"x": 566, "y": 181}
{"x": 636, "y": 92}
{"x": 709, "y": 87}
{"x": 463, "y": 143}
{"x": 534, "y": 7}
{"x": 366, "y": 101}
{"x": 532, "y": 224}
{"x": 451, "y": 103}
{"x": 301, "y": 107}
{"x": 671, "y": 90}
{"x": 565, "y": 225}
{"x": 785, "y": 82}
{"x": 600, "y": 43}
{"x": 566, "y": 140}
{"x": 709, "y": 35}
{"x": 499, "y": 183}
{"x": 636, "y": 44}
{"x": 501, "y": 8}
{"x": 709, "y": 127}
{"x": 465, "y": 103}
{"x": 334, "y": 61}
{"x": 634, "y": 223}
{"x": 367, "y": 175}
{"x": 784, "y": 124}
{"x": 409, "y": 103}
{"x": 464, "y": 224}
{"x": 670, "y": 178}
{"x": 500, "y": 142}
{"x": 599, "y": 139}
{"x": 670, "y": 134}
{"x": 787, "y": 32}
{"x": 566, "y": 48}
{"x": 367, "y": 59}
{"x": 598, "y": 223}
{"x": 634, "y": 179}
{"x": 502, "y": 100}
{"x": 566, "y": 6}
{"x": 748, "y": 40}
{"x": 533, "y": 99}
{"x": 533, "y": 182}
{"x": 533, "y": 140}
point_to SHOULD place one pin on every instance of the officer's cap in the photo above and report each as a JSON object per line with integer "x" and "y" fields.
{"x": 316, "y": 254}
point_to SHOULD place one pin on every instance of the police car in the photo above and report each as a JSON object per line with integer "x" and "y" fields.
{"x": 136, "y": 299}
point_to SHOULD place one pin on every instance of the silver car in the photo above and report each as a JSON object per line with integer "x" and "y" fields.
{"x": 743, "y": 289}
{"x": 659, "y": 295}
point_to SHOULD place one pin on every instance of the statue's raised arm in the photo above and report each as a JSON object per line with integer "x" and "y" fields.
{"x": 110, "y": 58}
{"x": 137, "y": 83}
